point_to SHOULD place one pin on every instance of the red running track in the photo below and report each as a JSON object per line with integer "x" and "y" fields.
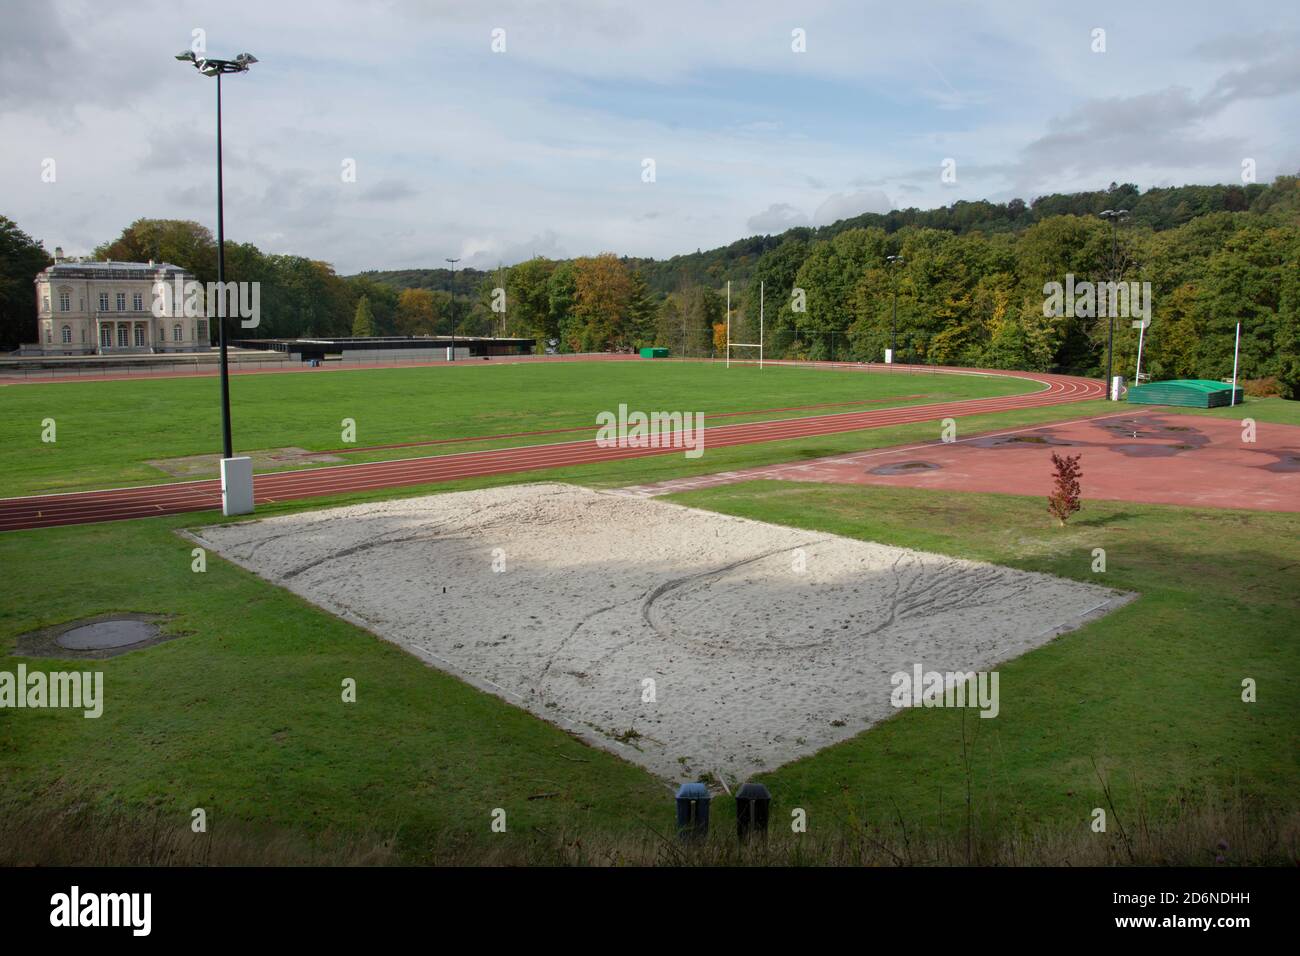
{"x": 118, "y": 504}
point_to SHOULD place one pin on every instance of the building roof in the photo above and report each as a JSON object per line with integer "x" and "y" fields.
{"x": 90, "y": 269}
{"x": 1193, "y": 384}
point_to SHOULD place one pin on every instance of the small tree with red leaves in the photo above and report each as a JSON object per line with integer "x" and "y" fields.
{"x": 1064, "y": 499}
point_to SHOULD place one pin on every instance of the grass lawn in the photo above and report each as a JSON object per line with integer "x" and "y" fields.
{"x": 1150, "y": 693}
{"x": 1280, "y": 411}
{"x": 109, "y": 431}
{"x": 243, "y": 717}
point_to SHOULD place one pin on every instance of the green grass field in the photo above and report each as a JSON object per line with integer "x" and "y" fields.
{"x": 1151, "y": 693}
{"x": 108, "y": 432}
{"x": 243, "y": 716}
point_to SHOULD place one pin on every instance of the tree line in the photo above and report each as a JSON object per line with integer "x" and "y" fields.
{"x": 978, "y": 299}
{"x": 966, "y": 286}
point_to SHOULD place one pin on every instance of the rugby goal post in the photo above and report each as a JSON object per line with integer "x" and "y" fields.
{"x": 745, "y": 345}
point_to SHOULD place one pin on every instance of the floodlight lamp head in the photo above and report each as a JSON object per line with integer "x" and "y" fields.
{"x": 186, "y": 55}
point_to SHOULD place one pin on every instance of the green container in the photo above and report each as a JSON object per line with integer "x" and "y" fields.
{"x": 658, "y": 352}
{"x": 1187, "y": 392}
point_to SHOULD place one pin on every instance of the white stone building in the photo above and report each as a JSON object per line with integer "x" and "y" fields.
{"x": 86, "y": 307}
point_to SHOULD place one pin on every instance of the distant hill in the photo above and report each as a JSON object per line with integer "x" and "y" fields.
{"x": 1158, "y": 209}
{"x": 467, "y": 281}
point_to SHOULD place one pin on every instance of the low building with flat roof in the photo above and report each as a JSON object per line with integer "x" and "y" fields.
{"x": 408, "y": 348}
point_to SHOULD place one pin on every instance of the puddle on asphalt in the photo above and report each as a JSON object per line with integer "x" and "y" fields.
{"x": 903, "y": 468}
{"x": 1005, "y": 441}
{"x": 1284, "y": 464}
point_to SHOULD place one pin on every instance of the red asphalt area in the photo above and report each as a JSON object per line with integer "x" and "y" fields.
{"x": 178, "y": 497}
{"x": 1153, "y": 458}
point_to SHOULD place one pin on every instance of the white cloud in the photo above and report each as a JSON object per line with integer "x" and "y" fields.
{"x": 493, "y": 157}
{"x": 839, "y": 206}
{"x": 776, "y": 218}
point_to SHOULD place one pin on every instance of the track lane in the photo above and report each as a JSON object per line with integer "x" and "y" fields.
{"x": 181, "y": 497}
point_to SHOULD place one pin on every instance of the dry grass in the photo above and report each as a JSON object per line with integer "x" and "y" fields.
{"x": 1207, "y": 836}
{"x": 74, "y": 834}
{"x": 1225, "y": 835}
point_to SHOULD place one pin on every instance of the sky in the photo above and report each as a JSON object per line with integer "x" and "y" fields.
{"x": 495, "y": 131}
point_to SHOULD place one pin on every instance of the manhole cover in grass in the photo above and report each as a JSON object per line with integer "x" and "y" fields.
{"x": 103, "y": 635}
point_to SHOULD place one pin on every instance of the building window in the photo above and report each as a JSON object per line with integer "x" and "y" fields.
{"x": 45, "y": 304}
{"x": 47, "y": 334}
{"x": 122, "y": 339}
{"x": 201, "y": 332}
{"x": 103, "y": 302}
{"x": 176, "y": 332}
{"x": 65, "y": 301}
{"x": 139, "y": 336}
{"x": 121, "y": 302}
{"x": 66, "y": 333}
{"x": 137, "y": 302}
{"x": 105, "y": 336}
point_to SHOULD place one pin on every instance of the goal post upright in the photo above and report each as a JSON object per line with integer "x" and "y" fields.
{"x": 745, "y": 345}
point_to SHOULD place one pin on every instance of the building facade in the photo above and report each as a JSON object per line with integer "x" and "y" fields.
{"x": 107, "y": 308}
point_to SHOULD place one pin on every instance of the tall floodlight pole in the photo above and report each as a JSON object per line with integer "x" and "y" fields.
{"x": 893, "y": 323}
{"x": 1114, "y": 215}
{"x": 232, "y": 498}
{"x": 452, "y": 355}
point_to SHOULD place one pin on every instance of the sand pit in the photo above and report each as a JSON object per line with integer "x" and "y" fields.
{"x": 754, "y": 661}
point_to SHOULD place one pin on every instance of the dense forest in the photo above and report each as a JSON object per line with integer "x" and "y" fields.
{"x": 968, "y": 287}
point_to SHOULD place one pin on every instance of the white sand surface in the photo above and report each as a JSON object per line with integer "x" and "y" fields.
{"x": 754, "y": 662}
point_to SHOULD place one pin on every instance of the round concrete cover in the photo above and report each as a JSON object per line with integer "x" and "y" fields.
{"x": 105, "y": 634}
